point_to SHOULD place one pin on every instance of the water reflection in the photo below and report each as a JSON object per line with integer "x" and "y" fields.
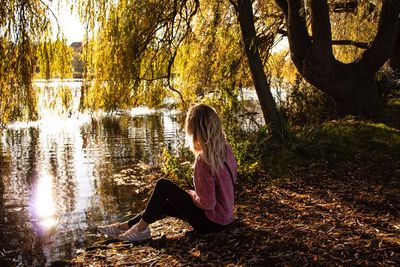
{"x": 56, "y": 180}
{"x": 43, "y": 204}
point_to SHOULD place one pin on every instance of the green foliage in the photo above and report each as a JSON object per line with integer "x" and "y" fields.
{"x": 148, "y": 42}
{"x": 330, "y": 144}
{"x": 228, "y": 104}
{"x": 58, "y": 99}
{"x": 17, "y": 99}
{"x": 178, "y": 168}
{"x": 344, "y": 140}
{"x": 130, "y": 50}
{"x": 210, "y": 63}
{"x": 25, "y": 30}
{"x": 54, "y": 60}
{"x": 304, "y": 105}
{"x": 249, "y": 148}
{"x": 66, "y": 98}
{"x": 388, "y": 85}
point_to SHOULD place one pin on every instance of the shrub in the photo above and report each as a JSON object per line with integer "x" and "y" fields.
{"x": 178, "y": 166}
{"x": 306, "y": 105}
{"x": 388, "y": 85}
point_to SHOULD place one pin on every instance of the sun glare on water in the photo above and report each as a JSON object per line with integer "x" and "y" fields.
{"x": 43, "y": 203}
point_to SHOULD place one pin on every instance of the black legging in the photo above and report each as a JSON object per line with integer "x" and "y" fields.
{"x": 168, "y": 199}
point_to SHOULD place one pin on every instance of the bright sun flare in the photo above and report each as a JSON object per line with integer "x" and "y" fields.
{"x": 43, "y": 204}
{"x": 69, "y": 22}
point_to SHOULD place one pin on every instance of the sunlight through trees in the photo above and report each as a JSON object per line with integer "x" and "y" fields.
{"x": 141, "y": 52}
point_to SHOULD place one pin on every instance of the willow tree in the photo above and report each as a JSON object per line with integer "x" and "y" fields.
{"x": 130, "y": 49}
{"x": 351, "y": 85}
{"x": 19, "y": 26}
{"x": 24, "y": 26}
{"x": 210, "y": 61}
{"x": 53, "y": 59}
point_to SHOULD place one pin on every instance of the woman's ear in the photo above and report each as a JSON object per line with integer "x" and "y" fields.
{"x": 197, "y": 146}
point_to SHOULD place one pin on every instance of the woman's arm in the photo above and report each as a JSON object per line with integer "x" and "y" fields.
{"x": 204, "y": 185}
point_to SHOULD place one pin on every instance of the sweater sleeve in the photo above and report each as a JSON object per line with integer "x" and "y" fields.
{"x": 204, "y": 186}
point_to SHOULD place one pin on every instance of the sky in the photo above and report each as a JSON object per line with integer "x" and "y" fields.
{"x": 70, "y": 24}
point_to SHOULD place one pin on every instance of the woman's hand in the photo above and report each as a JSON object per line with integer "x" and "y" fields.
{"x": 190, "y": 192}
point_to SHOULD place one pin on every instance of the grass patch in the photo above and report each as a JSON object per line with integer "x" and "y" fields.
{"x": 341, "y": 147}
{"x": 342, "y": 140}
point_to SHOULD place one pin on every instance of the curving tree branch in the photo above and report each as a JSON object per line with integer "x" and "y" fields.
{"x": 283, "y": 5}
{"x": 352, "y": 86}
{"x": 382, "y": 46}
{"x": 299, "y": 39}
{"x": 321, "y": 30}
{"x": 362, "y": 45}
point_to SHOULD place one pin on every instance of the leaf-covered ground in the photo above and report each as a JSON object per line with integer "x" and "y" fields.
{"x": 337, "y": 215}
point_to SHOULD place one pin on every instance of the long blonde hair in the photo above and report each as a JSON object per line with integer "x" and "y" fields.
{"x": 205, "y": 136}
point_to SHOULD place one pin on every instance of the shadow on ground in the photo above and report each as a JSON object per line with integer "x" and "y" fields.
{"x": 312, "y": 220}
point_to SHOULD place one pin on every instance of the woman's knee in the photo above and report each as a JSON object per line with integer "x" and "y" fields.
{"x": 167, "y": 188}
{"x": 163, "y": 182}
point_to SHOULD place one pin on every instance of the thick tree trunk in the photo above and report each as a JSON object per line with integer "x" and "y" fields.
{"x": 354, "y": 90}
{"x": 395, "y": 57}
{"x": 261, "y": 83}
{"x": 352, "y": 86}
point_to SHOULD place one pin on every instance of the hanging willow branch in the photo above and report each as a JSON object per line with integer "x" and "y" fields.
{"x": 24, "y": 25}
{"x": 140, "y": 36}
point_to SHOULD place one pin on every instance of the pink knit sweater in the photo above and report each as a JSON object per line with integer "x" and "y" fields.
{"x": 215, "y": 193}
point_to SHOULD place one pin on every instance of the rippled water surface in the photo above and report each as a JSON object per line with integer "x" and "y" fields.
{"x": 57, "y": 180}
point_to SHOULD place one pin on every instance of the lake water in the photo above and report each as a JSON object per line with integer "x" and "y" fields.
{"x": 58, "y": 178}
{"x": 65, "y": 174}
